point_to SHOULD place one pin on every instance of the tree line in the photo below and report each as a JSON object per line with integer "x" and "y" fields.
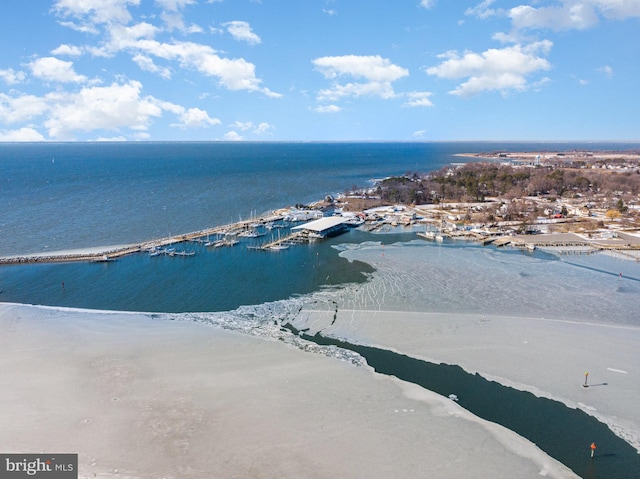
{"x": 474, "y": 182}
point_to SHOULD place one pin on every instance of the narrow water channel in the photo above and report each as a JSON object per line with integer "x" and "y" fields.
{"x": 562, "y": 432}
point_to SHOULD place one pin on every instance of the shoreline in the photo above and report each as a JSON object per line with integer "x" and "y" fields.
{"x": 621, "y": 242}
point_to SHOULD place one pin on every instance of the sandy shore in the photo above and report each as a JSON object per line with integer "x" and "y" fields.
{"x": 144, "y": 398}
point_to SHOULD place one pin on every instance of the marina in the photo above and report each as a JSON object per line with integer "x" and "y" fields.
{"x": 297, "y": 227}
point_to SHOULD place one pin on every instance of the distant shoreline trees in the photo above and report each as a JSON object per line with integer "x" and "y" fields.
{"x": 474, "y": 182}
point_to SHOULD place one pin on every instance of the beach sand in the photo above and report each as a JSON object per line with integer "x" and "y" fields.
{"x": 138, "y": 397}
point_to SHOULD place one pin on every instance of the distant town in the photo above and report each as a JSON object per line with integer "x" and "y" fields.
{"x": 518, "y": 191}
{"x": 589, "y": 200}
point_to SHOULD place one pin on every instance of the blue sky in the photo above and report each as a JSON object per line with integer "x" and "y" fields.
{"x": 319, "y": 70}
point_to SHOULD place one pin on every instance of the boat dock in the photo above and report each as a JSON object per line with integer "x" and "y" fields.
{"x": 226, "y": 236}
{"x": 112, "y": 253}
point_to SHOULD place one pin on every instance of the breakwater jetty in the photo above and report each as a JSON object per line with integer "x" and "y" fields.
{"x": 112, "y": 253}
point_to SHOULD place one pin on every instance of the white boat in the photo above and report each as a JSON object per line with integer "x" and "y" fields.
{"x": 251, "y": 234}
{"x": 278, "y": 247}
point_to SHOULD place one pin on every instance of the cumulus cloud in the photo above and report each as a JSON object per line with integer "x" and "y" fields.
{"x": 232, "y": 136}
{"x": 572, "y": 14}
{"x": 495, "y": 69}
{"x": 22, "y": 134}
{"x": 91, "y": 12}
{"x": 419, "y": 98}
{"x": 12, "y": 77}
{"x": 139, "y": 40}
{"x": 53, "y": 69}
{"x": 242, "y": 125}
{"x": 259, "y": 129}
{"x": 328, "y": 109}
{"x": 147, "y": 64}
{"x": 100, "y": 108}
{"x": 242, "y": 31}
{"x": 196, "y": 118}
{"x": 17, "y": 109}
{"x": 172, "y": 15}
{"x": 68, "y": 50}
{"x": 376, "y": 72}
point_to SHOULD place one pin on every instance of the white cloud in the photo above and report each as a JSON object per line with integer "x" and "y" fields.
{"x": 419, "y": 98}
{"x": 100, "y": 108}
{"x": 52, "y": 69}
{"x": 196, "y": 118}
{"x": 21, "y": 108}
{"x": 263, "y": 128}
{"x": 495, "y": 69}
{"x": 328, "y": 109}
{"x": 372, "y": 68}
{"x": 242, "y": 31}
{"x": 23, "y": 134}
{"x": 69, "y": 50}
{"x": 618, "y": 9}
{"x": 233, "y": 74}
{"x": 337, "y": 92}
{"x": 172, "y": 15}
{"x": 418, "y": 135}
{"x": 606, "y": 70}
{"x": 174, "y": 5}
{"x": 260, "y": 129}
{"x": 121, "y": 38}
{"x": 232, "y": 136}
{"x": 99, "y": 11}
{"x": 572, "y": 14}
{"x": 242, "y": 125}
{"x": 139, "y": 41}
{"x": 145, "y": 63}
{"x": 427, "y": 3}
{"x": 482, "y": 10}
{"x": 11, "y": 77}
{"x": 378, "y": 73}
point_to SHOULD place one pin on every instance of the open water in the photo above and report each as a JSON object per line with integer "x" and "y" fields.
{"x": 63, "y": 196}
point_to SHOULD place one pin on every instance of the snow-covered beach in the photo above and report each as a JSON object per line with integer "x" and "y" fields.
{"x": 143, "y": 398}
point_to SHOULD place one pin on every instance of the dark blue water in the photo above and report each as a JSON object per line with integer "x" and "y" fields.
{"x": 218, "y": 279}
{"x": 58, "y": 196}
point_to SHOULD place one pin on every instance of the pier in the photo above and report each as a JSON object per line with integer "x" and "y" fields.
{"x": 112, "y": 253}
